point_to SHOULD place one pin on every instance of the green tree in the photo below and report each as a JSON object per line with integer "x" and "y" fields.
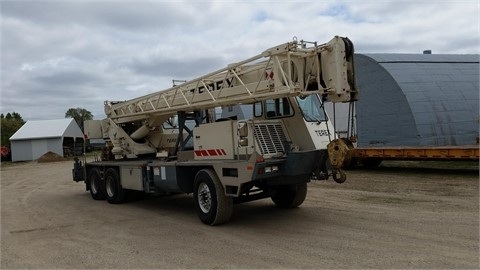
{"x": 80, "y": 115}
{"x": 10, "y": 123}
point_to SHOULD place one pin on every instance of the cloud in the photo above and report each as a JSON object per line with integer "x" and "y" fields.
{"x": 125, "y": 15}
{"x": 171, "y": 67}
{"x": 61, "y": 54}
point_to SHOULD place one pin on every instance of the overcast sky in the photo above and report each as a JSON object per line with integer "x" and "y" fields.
{"x": 57, "y": 55}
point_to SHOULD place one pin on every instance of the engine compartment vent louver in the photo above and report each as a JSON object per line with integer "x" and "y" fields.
{"x": 270, "y": 138}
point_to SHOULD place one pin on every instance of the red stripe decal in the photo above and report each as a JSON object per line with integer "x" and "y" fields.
{"x": 212, "y": 152}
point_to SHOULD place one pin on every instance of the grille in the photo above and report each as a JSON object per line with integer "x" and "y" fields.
{"x": 270, "y": 138}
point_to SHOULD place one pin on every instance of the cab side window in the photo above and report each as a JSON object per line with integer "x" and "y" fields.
{"x": 278, "y": 108}
{"x": 257, "y": 109}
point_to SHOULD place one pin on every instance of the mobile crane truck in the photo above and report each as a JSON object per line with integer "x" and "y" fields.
{"x": 171, "y": 142}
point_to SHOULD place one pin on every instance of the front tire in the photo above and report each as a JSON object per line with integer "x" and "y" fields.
{"x": 114, "y": 191}
{"x": 289, "y": 196}
{"x": 213, "y": 207}
{"x": 96, "y": 185}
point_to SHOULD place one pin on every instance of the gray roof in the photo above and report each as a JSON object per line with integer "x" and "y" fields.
{"x": 423, "y": 58}
{"x": 48, "y": 129}
{"x": 417, "y": 99}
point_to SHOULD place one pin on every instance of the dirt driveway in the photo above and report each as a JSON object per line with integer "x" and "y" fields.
{"x": 387, "y": 218}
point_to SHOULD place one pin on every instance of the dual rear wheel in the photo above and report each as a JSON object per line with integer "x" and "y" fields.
{"x": 107, "y": 187}
{"x": 97, "y": 185}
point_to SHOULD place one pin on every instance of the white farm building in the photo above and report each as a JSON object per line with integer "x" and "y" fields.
{"x": 35, "y": 138}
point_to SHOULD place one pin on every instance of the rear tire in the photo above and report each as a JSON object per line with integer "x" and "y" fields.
{"x": 289, "y": 196}
{"x": 97, "y": 185}
{"x": 114, "y": 192}
{"x": 213, "y": 207}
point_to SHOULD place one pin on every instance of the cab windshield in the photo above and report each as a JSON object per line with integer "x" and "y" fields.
{"x": 312, "y": 108}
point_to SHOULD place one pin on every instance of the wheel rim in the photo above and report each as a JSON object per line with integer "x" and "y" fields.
{"x": 204, "y": 198}
{"x": 110, "y": 186}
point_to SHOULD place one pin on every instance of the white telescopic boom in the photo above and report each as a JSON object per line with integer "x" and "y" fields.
{"x": 288, "y": 69}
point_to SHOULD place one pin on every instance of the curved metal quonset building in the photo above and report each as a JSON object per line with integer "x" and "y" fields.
{"x": 417, "y": 99}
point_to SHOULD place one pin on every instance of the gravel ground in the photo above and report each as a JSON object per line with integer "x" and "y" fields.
{"x": 392, "y": 217}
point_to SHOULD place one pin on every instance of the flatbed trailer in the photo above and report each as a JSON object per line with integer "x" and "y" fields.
{"x": 373, "y": 156}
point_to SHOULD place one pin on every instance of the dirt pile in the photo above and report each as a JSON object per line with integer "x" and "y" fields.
{"x": 50, "y": 157}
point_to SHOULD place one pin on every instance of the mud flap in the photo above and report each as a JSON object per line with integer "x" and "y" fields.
{"x": 78, "y": 171}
